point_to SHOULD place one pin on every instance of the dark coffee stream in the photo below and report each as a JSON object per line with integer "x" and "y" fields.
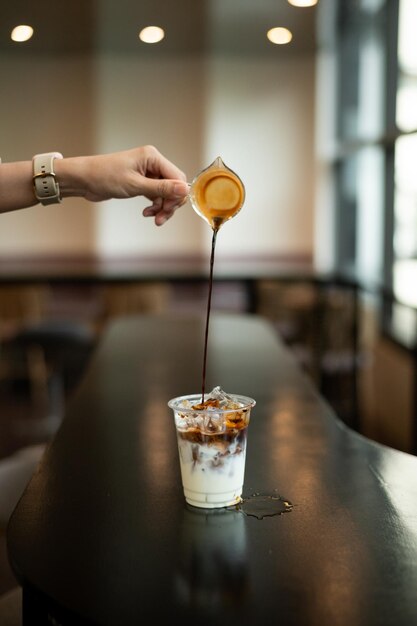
{"x": 213, "y": 247}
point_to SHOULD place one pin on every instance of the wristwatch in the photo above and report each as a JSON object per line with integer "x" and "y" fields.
{"x": 44, "y": 180}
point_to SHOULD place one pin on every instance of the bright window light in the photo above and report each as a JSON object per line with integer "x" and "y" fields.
{"x": 279, "y": 35}
{"x": 23, "y": 32}
{"x": 151, "y": 34}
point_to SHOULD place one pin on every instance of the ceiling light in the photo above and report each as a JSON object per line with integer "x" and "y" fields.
{"x": 279, "y": 35}
{"x": 151, "y": 34}
{"x": 21, "y": 32}
{"x": 303, "y": 3}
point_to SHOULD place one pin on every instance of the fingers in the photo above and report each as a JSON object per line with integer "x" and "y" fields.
{"x": 158, "y": 166}
{"x": 175, "y": 189}
{"x": 159, "y": 180}
{"x": 162, "y": 210}
{"x": 167, "y": 196}
{"x": 165, "y": 188}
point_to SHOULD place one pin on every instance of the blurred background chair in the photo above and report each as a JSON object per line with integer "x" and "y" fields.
{"x": 55, "y": 353}
{"x": 318, "y": 320}
{"x": 42, "y": 360}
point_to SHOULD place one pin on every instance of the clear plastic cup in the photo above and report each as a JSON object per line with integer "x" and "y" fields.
{"x": 212, "y": 448}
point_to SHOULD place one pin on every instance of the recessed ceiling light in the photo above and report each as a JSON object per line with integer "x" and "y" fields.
{"x": 279, "y": 35}
{"x": 151, "y": 34}
{"x": 303, "y": 3}
{"x": 23, "y": 32}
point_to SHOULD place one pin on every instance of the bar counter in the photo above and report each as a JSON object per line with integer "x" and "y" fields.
{"x": 102, "y": 534}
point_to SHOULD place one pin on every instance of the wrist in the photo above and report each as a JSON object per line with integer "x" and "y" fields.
{"x": 45, "y": 184}
{"x": 70, "y": 173}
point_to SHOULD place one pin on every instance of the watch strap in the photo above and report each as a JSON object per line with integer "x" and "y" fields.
{"x": 46, "y": 186}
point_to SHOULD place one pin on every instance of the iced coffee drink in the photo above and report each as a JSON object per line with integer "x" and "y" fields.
{"x": 212, "y": 446}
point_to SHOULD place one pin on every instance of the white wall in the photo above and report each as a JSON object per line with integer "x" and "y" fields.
{"x": 260, "y": 121}
{"x": 325, "y": 146}
{"x": 160, "y": 103}
{"x": 46, "y": 105}
{"x": 258, "y": 116}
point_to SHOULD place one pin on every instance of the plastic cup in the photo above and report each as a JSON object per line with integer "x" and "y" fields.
{"x": 212, "y": 449}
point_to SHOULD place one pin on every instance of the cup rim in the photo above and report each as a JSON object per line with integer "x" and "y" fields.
{"x": 245, "y": 401}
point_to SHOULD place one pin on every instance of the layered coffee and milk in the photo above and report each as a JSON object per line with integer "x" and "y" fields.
{"x": 212, "y": 446}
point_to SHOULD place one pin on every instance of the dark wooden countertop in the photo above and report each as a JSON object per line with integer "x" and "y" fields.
{"x": 102, "y": 534}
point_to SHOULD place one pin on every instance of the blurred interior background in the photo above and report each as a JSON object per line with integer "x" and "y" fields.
{"x": 323, "y": 132}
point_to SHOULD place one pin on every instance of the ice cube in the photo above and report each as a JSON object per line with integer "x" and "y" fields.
{"x": 218, "y": 394}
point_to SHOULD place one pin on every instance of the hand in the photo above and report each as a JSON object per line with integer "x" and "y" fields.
{"x": 142, "y": 171}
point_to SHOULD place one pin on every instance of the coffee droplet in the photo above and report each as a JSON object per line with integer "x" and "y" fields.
{"x": 217, "y": 194}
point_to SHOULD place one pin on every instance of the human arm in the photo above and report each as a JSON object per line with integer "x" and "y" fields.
{"x": 142, "y": 171}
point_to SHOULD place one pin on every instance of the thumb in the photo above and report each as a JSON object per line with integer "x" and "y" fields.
{"x": 167, "y": 188}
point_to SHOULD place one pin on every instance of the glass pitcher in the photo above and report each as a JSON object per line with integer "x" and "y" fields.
{"x": 217, "y": 194}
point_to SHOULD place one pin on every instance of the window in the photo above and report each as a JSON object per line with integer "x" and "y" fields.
{"x": 404, "y": 275}
{"x": 374, "y": 162}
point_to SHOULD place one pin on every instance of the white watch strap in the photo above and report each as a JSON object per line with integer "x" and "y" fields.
{"x": 45, "y": 184}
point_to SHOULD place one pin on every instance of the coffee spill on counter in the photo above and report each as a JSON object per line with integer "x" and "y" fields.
{"x": 261, "y": 506}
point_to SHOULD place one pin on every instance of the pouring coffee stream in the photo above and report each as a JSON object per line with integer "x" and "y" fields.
{"x": 217, "y": 194}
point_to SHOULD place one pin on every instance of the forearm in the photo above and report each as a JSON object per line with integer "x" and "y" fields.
{"x": 16, "y": 182}
{"x": 16, "y": 186}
